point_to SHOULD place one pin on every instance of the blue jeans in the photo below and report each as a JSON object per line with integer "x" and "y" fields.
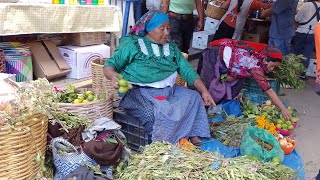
{"x": 282, "y": 44}
{"x": 304, "y": 44}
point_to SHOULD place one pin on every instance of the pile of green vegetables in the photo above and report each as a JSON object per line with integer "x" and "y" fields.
{"x": 231, "y": 130}
{"x": 162, "y": 160}
{"x": 70, "y": 121}
{"x": 269, "y": 110}
{"x": 288, "y": 73}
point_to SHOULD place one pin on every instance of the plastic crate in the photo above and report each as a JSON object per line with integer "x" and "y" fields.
{"x": 133, "y": 130}
{"x": 255, "y": 93}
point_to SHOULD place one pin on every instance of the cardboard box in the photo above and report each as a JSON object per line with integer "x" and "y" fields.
{"x": 211, "y": 25}
{"x": 201, "y": 39}
{"x": 312, "y": 69}
{"x": 47, "y": 60}
{"x": 85, "y": 39}
{"x": 79, "y": 58}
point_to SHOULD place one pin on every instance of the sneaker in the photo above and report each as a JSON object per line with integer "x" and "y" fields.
{"x": 304, "y": 78}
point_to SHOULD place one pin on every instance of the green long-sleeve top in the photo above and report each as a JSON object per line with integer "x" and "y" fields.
{"x": 140, "y": 60}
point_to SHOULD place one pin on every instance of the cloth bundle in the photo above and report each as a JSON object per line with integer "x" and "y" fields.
{"x": 104, "y": 153}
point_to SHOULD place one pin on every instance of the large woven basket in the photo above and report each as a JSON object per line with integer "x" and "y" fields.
{"x": 2, "y": 62}
{"x": 20, "y": 145}
{"x": 99, "y": 81}
{"x": 92, "y": 110}
{"x": 214, "y": 11}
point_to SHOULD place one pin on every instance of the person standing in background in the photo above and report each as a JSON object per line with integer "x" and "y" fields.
{"x": 282, "y": 28}
{"x": 304, "y": 42}
{"x": 182, "y": 21}
{"x": 233, "y": 22}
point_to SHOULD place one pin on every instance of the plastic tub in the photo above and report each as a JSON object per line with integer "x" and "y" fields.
{"x": 288, "y": 150}
{"x": 284, "y": 132}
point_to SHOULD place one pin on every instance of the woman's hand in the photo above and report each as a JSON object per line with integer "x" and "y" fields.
{"x": 230, "y": 78}
{"x": 114, "y": 81}
{"x": 111, "y": 74}
{"x": 200, "y": 25}
{"x": 276, "y": 101}
{"x": 286, "y": 114}
{"x": 207, "y": 99}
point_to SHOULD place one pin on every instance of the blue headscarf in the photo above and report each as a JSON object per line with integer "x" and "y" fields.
{"x": 149, "y": 22}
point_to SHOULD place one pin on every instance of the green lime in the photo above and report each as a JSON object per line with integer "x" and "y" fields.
{"x": 90, "y": 98}
{"x": 88, "y": 93}
{"x": 276, "y": 160}
{"x": 85, "y": 101}
{"x": 295, "y": 119}
{"x": 284, "y": 126}
{"x": 290, "y": 127}
{"x": 77, "y": 101}
{"x": 123, "y": 83}
{"x": 279, "y": 121}
{"x": 122, "y": 90}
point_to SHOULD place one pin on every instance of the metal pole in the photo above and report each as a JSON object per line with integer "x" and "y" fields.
{"x": 126, "y": 18}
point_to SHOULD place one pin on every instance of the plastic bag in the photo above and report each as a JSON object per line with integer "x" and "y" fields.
{"x": 153, "y": 4}
{"x": 250, "y": 146}
{"x": 66, "y": 158}
{"x": 231, "y": 107}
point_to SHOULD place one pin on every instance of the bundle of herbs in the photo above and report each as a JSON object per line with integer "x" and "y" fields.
{"x": 289, "y": 71}
{"x": 34, "y": 97}
{"x": 231, "y": 130}
{"x": 162, "y": 160}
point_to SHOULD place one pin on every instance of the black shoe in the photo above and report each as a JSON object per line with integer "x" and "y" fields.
{"x": 304, "y": 78}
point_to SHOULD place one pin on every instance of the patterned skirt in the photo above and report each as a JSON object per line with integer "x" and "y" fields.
{"x": 180, "y": 115}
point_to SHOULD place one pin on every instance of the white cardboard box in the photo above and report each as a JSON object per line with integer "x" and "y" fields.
{"x": 201, "y": 39}
{"x": 211, "y": 25}
{"x": 79, "y": 58}
{"x": 312, "y": 69}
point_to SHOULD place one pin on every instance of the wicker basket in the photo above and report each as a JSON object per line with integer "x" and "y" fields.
{"x": 103, "y": 107}
{"x": 99, "y": 81}
{"x": 19, "y": 147}
{"x": 2, "y": 62}
{"x": 214, "y": 11}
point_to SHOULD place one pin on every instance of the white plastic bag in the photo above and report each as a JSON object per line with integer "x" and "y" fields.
{"x": 153, "y": 4}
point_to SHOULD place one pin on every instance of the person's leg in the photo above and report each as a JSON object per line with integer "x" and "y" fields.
{"x": 187, "y": 31}
{"x": 224, "y": 31}
{"x": 318, "y": 176}
{"x": 299, "y": 43}
{"x": 139, "y": 107}
{"x": 309, "y": 46}
{"x": 176, "y": 31}
{"x": 282, "y": 44}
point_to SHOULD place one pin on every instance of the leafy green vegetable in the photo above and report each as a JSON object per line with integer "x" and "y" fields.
{"x": 70, "y": 121}
{"x": 288, "y": 73}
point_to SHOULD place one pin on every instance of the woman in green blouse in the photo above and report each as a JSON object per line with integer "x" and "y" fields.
{"x": 151, "y": 63}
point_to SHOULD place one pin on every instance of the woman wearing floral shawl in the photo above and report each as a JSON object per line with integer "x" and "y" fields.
{"x": 151, "y": 63}
{"x": 238, "y": 60}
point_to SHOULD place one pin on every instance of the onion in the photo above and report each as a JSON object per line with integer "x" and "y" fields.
{"x": 283, "y": 142}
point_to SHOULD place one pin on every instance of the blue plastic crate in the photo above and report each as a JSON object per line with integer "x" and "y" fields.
{"x": 133, "y": 130}
{"x": 255, "y": 93}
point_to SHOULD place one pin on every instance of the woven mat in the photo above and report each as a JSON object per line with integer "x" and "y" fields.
{"x": 51, "y": 18}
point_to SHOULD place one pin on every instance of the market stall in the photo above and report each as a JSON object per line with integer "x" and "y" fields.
{"x": 50, "y": 132}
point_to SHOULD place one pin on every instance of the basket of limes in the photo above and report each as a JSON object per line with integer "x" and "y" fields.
{"x": 82, "y": 100}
